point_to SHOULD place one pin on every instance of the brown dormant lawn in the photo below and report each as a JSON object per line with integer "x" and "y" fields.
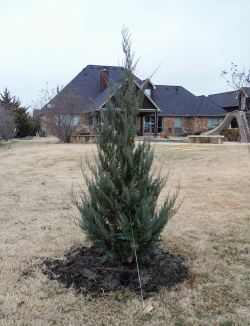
{"x": 211, "y": 230}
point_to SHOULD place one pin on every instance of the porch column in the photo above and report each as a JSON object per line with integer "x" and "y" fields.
{"x": 141, "y": 125}
{"x": 156, "y": 124}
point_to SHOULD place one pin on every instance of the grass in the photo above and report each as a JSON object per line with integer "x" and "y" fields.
{"x": 22, "y": 142}
{"x": 211, "y": 230}
{"x": 3, "y": 145}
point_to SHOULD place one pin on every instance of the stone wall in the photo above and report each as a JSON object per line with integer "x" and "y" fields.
{"x": 83, "y": 139}
{"x": 231, "y": 134}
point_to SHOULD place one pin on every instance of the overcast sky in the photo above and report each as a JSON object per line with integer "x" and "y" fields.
{"x": 191, "y": 41}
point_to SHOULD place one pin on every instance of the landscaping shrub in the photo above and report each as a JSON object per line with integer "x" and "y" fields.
{"x": 231, "y": 134}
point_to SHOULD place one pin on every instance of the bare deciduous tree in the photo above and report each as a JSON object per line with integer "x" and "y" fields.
{"x": 236, "y": 78}
{"x": 7, "y": 123}
{"x": 45, "y": 95}
{"x": 67, "y": 114}
{"x": 63, "y": 110}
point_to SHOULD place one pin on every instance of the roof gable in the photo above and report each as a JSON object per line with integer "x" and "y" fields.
{"x": 169, "y": 99}
{"x": 87, "y": 85}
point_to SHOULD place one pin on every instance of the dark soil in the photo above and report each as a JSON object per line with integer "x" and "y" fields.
{"x": 86, "y": 271}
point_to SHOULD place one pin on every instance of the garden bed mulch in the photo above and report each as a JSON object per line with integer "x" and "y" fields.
{"x": 85, "y": 270}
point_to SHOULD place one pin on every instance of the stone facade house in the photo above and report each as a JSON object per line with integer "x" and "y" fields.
{"x": 166, "y": 110}
{"x": 184, "y": 113}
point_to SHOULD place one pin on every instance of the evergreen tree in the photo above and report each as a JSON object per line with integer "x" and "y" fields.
{"x": 24, "y": 124}
{"x": 10, "y": 102}
{"x": 119, "y": 213}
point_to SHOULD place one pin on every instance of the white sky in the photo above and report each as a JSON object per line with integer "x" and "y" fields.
{"x": 53, "y": 40}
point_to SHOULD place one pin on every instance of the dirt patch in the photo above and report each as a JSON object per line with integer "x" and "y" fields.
{"x": 85, "y": 270}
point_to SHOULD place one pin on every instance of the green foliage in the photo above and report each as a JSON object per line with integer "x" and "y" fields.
{"x": 198, "y": 132}
{"x": 3, "y": 145}
{"x": 24, "y": 124}
{"x": 8, "y": 101}
{"x": 227, "y": 323}
{"x": 119, "y": 213}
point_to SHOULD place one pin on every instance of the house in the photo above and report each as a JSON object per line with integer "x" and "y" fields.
{"x": 166, "y": 109}
{"x": 184, "y": 113}
{"x": 87, "y": 95}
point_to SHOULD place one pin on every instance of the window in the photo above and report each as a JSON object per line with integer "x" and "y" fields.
{"x": 148, "y": 92}
{"x": 67, "y": 119}
{"x": 178, "y": 125}
{"x": 93, "y": 121}
{"x": 75, "y": 120}
{"x": 213, "y": 122}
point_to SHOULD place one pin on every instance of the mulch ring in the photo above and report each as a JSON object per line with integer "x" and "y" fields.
{"x": 85, "y": 270}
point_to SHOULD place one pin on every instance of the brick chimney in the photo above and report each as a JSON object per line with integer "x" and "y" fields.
{"x": 104, "y": 79}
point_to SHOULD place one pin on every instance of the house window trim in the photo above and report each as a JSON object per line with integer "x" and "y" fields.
{"x": 178, "y": 127}
{"x": 213, "y": 122}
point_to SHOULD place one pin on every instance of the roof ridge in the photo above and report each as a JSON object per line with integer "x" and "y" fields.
{"x": 103, "y": 66}
{"x": 229, "y": 92}
{"x": 169, "y": 85}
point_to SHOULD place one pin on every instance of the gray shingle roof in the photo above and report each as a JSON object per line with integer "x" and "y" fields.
{"x": 207, "y": 108}
{"x": 178, "y": 101}
{"x": 226, "y": 99}
{"x": 87, "y": 85}
{"x": 172, "y": 100}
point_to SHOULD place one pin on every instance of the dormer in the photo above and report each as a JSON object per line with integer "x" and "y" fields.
{"x": 148, "y": 87}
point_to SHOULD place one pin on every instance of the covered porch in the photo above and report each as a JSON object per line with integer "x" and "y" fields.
{"x": 148, "y": 123}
